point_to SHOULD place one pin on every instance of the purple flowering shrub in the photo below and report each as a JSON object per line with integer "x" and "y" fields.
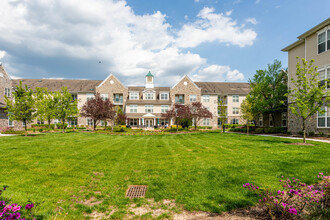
{"x": 296, "y": 200}
{"x": 13, "y": 211}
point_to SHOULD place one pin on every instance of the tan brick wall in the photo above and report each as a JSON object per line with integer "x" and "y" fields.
{"x": 5, "y": 82}
{"x": 189, "y": 89}
{"x": 111, "y": 89}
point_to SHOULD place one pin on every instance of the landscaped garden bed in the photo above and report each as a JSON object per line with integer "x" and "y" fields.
{"x": 74, "y": 175}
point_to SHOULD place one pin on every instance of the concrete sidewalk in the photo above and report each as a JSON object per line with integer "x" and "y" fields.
{"x": 6, "y": 135}
{"x": 296, "y": 138}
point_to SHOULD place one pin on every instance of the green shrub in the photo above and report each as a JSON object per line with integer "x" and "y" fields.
{"x": 328, "y": 135}
{"x": 119, "y": 129}
{"x": 174, "y": 126}
{"x": 60, "y": 125}
{"x": 321, "y": 134}
{"x": 10, "y": 131}
{"x": 41, "y": 130}
{"x": 311, "y": 133}
{"x": 204, "y": 127}
{"x": 39, "y": 125}
{"x": 52, "y": 126}
{"x": 186, "y": 122}
{"x": 259, "y": 130}
{"x": 301, "y": 133}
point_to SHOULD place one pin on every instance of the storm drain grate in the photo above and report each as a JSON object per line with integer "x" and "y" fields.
{"x": 136, "y": 191}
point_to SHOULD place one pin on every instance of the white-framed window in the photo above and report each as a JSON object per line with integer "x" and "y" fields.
{"x": 133, "y": 121}
{"x": 134, "y": 95}
{"x": 179, "y": 99}
{"x": 7, "y": 92}
{"x": 133, "y": 108}
{"x": 164, "y": 108}
{"x": 103, "y": 123}
{"x": 56, "y": 121}
{"x": 90, "y": 122}
{"x": 105, "y": 96}
{"x": 235, "y": 110}
{"x": 163, "y": 96}
{"x": 74, "y": 97}
{"x": 149, "y": 96}
{"x": 261, "y": 120}
{"x": 73, "y": 122}
{"x": 118, "y": 98}
{"x": 323, "y": 120}
{"x": 149, "y": 108}
{"x": 193, "y": 98}
{"x": 271, "y": 123}
{"x": 90, "y": 96}
{"x": 206, "y": 98}
{"x": 284, "y": 119}
{"x": 235, "y": 98}
{"x": 206, "y": 122}
{"x": 323, "y": 40}
{"x": 10, "y": 122}
{"x": 23, "y": 124}
{"x": 324, "y": 77}
{"x": 234, "y": 121}
{"x": 40, "y": 122}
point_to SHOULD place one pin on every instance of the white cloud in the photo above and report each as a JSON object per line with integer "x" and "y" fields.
{"x": 258, "y": 1}
{"x": 128, "y": 43}
{"x": 251, "y": 20}
{"x": 212, "y": 27}
{"x": 234, "y": 75}
{"x": 2, "y": 54}
{"x": 217, "y": 73}
{"x": 197, "y": 0}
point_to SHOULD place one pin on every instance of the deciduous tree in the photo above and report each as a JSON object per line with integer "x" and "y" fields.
{"x": 222, "y": 112}
{"x": 22, "y": 106}
{"x": 45, "y": 105}
{"x": 246, "y": 113}
{"x": 98, "y": 109}
{"x": 307, "y": 94}
{"x": 267, "y": 90}
{"x": 120, "y": 118}
{"x": 198, "y": 112}
{"x": 65, "y": 106}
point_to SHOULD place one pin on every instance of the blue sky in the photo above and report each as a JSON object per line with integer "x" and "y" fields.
{"x": 207, "y": 40}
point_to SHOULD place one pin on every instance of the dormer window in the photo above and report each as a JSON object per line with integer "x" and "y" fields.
{"x": 134, "y": 95}
{"x": 149, "y": 96}
{"x": 323, "y": 41}
{"x": 164, "y": 96}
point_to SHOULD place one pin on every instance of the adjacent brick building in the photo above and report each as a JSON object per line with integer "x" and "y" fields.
{"x": 313, "y": 44}
{"x": 143, "y": 105}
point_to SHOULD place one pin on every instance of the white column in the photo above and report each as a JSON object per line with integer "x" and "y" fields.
{"x": 154, "y": 121}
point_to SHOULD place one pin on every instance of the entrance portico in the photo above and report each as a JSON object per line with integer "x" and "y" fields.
{"x": 149, "y": 120}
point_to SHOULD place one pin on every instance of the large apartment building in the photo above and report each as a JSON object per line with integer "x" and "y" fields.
{"x": 313, "y": 44}
{"x": 143, "y": 105}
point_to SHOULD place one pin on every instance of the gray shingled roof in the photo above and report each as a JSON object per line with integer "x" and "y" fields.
{"x": 223, "y": 88}
{"x": 57, "y": 84}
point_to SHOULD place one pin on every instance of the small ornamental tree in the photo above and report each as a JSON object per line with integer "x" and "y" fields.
{"x": 65, "y": 106}
{"x": 183, "y": 115}
{"x": 307, "y": 94}
{"x": 246, "y": 113}
{"x": 98, "y": 109}
{"x": 178, "y": 113}
{"x": 22, "y": 106}
{"x": 198, "y": 112}
{"x": 120, "y": 118}
{"x": 45, "y": 105}
{"x": 222, "y": 112}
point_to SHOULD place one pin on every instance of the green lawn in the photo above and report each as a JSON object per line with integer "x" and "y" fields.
{"x": 202, "y": 171}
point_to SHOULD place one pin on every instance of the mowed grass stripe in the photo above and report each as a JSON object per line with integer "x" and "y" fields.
{"x": 202, "y": 171}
